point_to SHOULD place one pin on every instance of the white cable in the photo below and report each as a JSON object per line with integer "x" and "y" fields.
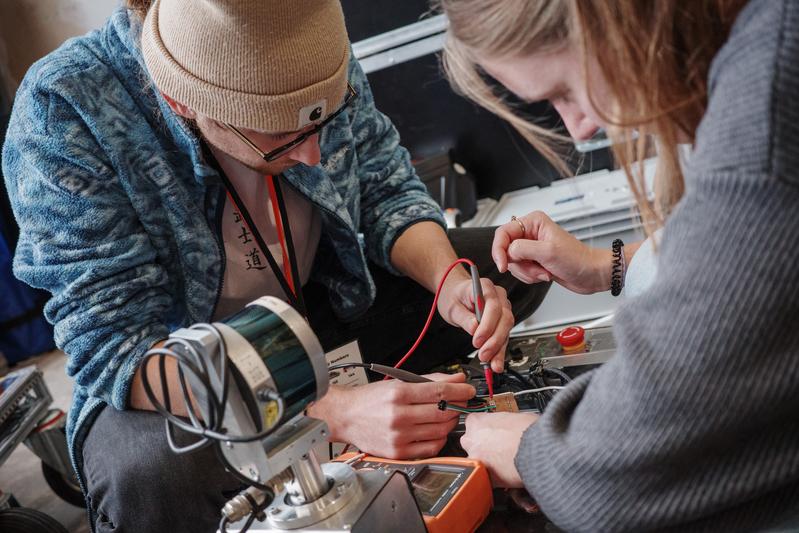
{"x": 599, "y": 322}
{"x": 530, "y": 391}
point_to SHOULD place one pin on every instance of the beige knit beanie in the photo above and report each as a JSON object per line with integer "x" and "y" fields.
{"x": 269, "y": 65}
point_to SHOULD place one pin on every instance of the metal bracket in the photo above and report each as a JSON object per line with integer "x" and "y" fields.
{"x": 580, "y": 359}
{"x": 402, "y": 44}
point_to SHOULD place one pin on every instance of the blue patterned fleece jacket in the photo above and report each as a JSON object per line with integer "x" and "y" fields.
{"x": 120, "y": 214}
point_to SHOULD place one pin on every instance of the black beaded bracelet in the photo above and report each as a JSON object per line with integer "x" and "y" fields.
{"x": 619, "y": 267}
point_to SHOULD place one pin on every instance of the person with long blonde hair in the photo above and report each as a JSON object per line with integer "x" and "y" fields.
{"x": 189, "y": 157}
{"x": 693, "y": 424}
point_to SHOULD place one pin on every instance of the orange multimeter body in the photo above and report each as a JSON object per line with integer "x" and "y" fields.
{"x": 454, "y": 494}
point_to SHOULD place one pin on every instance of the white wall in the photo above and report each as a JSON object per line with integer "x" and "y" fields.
{"x": 33, "y": 28}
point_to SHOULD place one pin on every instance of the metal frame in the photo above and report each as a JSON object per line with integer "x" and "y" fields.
{"x": 402, "y": 44}
{"x": 379, "y": 500}
{"x": 49, "y": 442}
{"x": 29, "y": 383}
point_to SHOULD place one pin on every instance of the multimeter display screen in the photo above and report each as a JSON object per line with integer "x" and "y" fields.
{"x": 430, "y": 485}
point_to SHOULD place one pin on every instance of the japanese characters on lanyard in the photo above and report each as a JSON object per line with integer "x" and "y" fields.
{"x": 289, "y": 277}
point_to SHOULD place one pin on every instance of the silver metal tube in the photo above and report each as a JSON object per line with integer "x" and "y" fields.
{"x": 477, "y": 290}
{"x": 309, "y": 481}
{"x": 400, "y": 36}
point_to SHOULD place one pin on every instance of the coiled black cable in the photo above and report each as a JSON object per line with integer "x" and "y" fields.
{"x": 523, "y": 380}
{"x": 208, "y": 428}
{"x": 617, "y": 272}
{"x": 558, "y": 373}
{"x": 198, "y": 366}
{"x": 257, "y": 509}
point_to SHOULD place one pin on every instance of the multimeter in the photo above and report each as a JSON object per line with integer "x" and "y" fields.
{"x": 453, "y": 493}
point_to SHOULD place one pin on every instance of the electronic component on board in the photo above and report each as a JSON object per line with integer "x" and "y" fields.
{"x": 505, "y": 402}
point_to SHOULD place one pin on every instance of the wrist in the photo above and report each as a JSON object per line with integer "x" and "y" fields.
{"x": 450, "y": 292}
{"x": 458, "y": 275}
{"x": 603, "y": 268}
{"x": 329, "y": 409}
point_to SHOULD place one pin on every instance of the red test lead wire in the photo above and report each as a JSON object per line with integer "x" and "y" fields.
{"x": 278, "y": 227}
{"x": 489, "y": 374}
{"x": 433, "y": 308}
{"x": 270, "y": 183}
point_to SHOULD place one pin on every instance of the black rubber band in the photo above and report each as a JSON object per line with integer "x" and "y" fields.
{"x": 616, "y": 276}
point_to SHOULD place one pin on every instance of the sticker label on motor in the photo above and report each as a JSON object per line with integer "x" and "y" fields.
{"x": 347, "y": 377}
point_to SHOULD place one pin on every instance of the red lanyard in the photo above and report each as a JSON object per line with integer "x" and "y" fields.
{"x": 270, "y": 183}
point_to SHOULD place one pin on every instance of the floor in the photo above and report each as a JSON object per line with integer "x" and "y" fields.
{"x": 21, "y": 474}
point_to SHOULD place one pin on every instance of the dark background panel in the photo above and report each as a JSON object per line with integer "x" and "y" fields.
{"x": 367, "y": 18}
{"x": 432, "y": 119}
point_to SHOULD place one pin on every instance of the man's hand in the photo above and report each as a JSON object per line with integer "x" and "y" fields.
{"x": 424, "y": 253}
{"x": 490, "y": 337}
{"x": 493, "y": 439}
{"x": 394, "y": 419}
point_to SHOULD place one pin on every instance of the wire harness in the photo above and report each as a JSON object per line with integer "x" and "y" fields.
{"x": 191, "y": 360}
{"x": 444, "y": 406}
{"x": 209, "y": 428}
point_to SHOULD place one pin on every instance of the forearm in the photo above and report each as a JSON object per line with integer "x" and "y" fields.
{"x": 423, "y": 253}
{"x": 333, "y": 404}
{"x": 138, "y": 397}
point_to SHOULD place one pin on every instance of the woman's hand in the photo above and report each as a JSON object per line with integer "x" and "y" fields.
{"x": 394, "y": 419}
{"x": 546, "y": 252}
{"x": 493, "y": 439}
{"x": 490, "y": 336}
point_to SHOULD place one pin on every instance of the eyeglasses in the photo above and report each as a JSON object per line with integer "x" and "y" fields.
{"x": 302, "y": 137}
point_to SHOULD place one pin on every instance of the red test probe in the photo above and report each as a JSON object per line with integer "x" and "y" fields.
{"x": 479, "y": 303}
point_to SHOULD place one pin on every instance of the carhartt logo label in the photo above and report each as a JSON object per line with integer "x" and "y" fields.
{"x": 312, "y": 113}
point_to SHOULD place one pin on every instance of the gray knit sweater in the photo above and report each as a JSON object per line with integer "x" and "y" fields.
{"x": 694, "y": 425}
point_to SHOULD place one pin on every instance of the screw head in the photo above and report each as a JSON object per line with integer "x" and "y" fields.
{"x": 264, "y": 394}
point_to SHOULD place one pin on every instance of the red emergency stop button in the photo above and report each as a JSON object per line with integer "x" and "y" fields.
{"x": 572, "y": 339}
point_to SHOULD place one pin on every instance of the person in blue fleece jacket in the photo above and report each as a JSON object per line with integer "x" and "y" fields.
{"x": 122, "y": 152}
